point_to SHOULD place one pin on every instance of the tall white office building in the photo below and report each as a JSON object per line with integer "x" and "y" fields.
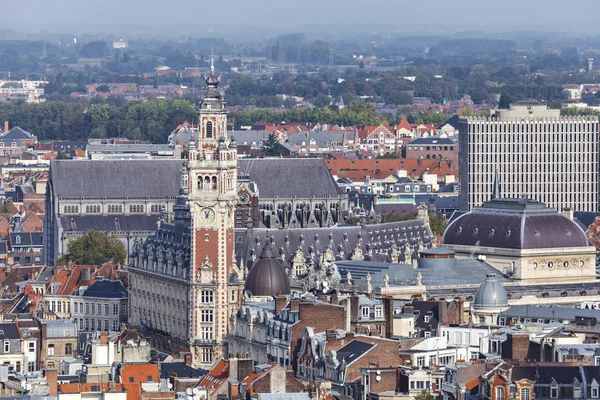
{"x": 538, "y": 154}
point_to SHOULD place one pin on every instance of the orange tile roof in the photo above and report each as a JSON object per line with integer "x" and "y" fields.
{"x": 139, "y": 373}
{"x": 404, "y": 124}
{"x": 472, "y": 383}
{"x": 358, "y": 170}
{"x": 216, "y": 377}
{"x": 103, "y": 387}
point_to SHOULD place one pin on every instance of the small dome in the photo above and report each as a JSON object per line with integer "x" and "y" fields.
{"x": 212, "y": 79}
{"x": 267, "y": 277}
{"x": 491, "y": 294}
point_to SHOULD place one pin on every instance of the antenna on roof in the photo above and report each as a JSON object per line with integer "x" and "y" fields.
{"x": 212, "y": 58}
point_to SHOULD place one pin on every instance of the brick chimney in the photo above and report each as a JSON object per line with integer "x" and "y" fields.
{"x": 51, "y": 375}
{"x": 516, "y": 348}
{"x": 280, "y": 303}
{"x": 331, "y": 335}
{"x": 5, "y": 126}
{"x": 443, "y": 312}
{"x": 294, "y": 305}
{"x": 388, "y": 314}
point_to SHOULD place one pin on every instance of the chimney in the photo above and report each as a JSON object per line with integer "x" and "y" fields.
{"x": 516, "y": 347}
{"x": 85, "y": 273}
{"x": 443, "y": 312}
{"x": 334, "y": 299}
{"x": 388, "y": 314}
{"x": 103, "y": 338}
{"x": 408, "y": 309}
{"x": 51, "y": 375}
{"x": 5, "y": 126}
{"x": 240, "y": 368}
{"x": 280, "y": 303}
{"x": 294, "y": 305}
{"x": 188, "y": 358}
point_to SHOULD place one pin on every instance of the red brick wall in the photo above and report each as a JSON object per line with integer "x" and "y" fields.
{"x": 320, "y": 317}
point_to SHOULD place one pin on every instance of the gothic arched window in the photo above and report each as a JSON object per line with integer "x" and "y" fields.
{"x": 209, "y": 130}
{"x": 214, "y": 183}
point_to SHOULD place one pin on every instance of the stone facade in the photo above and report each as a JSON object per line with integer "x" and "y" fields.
{"x": 184, "y": 281}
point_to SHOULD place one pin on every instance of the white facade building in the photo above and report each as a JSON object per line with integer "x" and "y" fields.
{"x": 537, "y": 153}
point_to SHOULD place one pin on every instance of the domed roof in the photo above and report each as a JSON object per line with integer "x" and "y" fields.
{"x": 490, "y": 294}
{"x": 212, "y": 79}
{"x": 267, "y": 277}
{"x": 515, "y": 224}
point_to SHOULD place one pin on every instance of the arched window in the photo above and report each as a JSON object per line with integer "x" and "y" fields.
{"x": 200, "y": 181}
{"x": 499, "y": 393}
{"x": 18, "y": 239}
{"x": 206, "y": 183}
{"x": 525, "y": 394}
{"x": 427, "y": 156}
{"x": 209, "y": 130}
{"x": 214, "y": 183}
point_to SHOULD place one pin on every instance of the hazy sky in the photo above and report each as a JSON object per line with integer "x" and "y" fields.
{"x": 550, "y": 15}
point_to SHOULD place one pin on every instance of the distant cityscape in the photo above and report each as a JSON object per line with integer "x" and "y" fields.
{"x": 410, "y": 218}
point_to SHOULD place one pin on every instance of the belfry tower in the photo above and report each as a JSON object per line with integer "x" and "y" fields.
{"x": 215, "y": 288}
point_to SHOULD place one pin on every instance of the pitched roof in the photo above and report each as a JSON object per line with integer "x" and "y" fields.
{"x": 139, "y": 373}
{"x": 9, "y": 330}
{"x": 404, "y": 124}
{"x": 115, "y": 178}
{"x": 180, "y": 369}
{"x": 106, "y": 289}
{"x": 108, "y": 223}
{"x": 289, "y": 176}
{"x": 217, "y": 376}
{"x": 358, "y": 170}
{"x": 17, "y": 133}
{"x": 433, "y": 140}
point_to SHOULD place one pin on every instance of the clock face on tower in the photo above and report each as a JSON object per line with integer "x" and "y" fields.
{"x": 244, "y": 198}
{"x": 207, "y": 216}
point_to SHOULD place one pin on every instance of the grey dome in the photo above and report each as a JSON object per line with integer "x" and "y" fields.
{"x": 515, "y": 224}
{"x": 491, "y": 294}
{"x": 267, "y": 277}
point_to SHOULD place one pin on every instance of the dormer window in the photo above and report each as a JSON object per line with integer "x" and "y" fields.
{"x": 18, "y": 239}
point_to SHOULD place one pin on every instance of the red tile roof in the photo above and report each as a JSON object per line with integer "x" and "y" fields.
{"x": 358, "y": 170}
{"x": 404, "y": 124}
{"x": 216, "y": 377}
{"x": 139, "y": 373}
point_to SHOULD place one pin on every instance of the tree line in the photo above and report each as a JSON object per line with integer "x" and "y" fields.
{"x": 154, "y": 119}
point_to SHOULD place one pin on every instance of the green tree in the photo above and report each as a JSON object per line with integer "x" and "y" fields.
{"x": 94, "y": 248}
{"x": 62, "y": 156}
{"x": 424, "y": 395}
{"x": 271, "y": 146}
{"x": 361, "y": 64}
{"x": 103, "y": 89}
{"x": 437, "y": 223}
{"x": 7, "y": 207}
{"x": 505, "y": 100}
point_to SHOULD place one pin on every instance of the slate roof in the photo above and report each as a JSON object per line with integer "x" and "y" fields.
{"x": 342, "y": 240}
{"x": 515, "y": 224}
{"x": 181, "y": 369}
{"x": 115, "y": 178}
{"x": 130, "y": 148}
{"x": 433, "y": 140}
{"x": 353, "y": 351}
{"x": 16, "y": 133}
{"x": 550, "y": 312}
{"x": 106, "y": 289}
{"x": 108, "y": 223}
{"x": 289, "y": 176}
{"x": 9, "y": 331}
{"x": 544, "y": 374}
{"x": 27, "y": 239}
